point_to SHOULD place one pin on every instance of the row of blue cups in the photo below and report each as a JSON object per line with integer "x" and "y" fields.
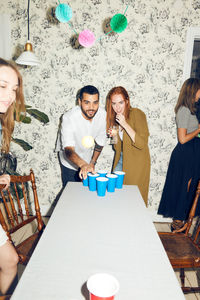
{"x": 101, "y": 181}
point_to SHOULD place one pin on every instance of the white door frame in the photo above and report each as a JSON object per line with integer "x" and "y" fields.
{"x": 192, "y": 34}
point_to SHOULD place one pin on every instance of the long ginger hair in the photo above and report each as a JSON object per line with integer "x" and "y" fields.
{"x": 187, "y": 94}
{"x": 111, "y": 115}
{"x": 18, "y": 106}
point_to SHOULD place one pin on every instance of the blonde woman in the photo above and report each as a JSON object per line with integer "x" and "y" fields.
{"x": 11, "y": 98}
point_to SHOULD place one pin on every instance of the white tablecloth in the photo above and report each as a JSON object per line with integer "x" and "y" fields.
{"x": 88, "y": 234}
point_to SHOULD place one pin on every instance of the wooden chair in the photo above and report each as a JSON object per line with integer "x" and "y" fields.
{"x": 6, "y": 297}
{"x": 16, "y": 212}
{"x": 183, "y": 248}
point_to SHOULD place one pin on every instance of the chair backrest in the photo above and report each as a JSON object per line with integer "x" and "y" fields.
{"x": 188, "y": 224}
{"x": 17, "y": 202}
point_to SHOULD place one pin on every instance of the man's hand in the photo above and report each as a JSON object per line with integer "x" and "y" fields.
{"x": 86, "y": 168}
{"x": 5, "y": 179}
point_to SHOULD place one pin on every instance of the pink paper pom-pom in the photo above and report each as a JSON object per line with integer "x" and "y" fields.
{"x": 86, "y": 38}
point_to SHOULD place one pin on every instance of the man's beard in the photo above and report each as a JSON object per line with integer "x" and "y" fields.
{"x": 89, "y": 117}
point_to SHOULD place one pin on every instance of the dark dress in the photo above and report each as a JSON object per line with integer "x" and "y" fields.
{"x": 184, "y": 165}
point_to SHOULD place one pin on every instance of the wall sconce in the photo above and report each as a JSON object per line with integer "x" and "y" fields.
{"x": 28, "y": 58}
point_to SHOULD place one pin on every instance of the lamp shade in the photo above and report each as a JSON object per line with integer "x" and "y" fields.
{"x": 28, "y": 58}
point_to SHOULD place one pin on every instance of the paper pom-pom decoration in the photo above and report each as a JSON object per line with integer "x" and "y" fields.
{"x": 86, "y": 38}
{"x": 118, "y": 23}
{"x": 87, "y": 141}
{"x": 63, "y": 13}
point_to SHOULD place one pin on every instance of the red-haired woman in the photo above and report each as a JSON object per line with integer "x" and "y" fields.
{"x": 11, "y": 98}
{"x": 131, "y": 151}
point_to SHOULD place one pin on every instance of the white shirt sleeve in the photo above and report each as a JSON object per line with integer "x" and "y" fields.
{"x": 100, "y": 139}
{"x": 67, "y": 132}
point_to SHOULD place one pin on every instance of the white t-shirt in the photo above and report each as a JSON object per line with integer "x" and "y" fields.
{"x": 74, "y": 127}
{"x": 121, "y": 134}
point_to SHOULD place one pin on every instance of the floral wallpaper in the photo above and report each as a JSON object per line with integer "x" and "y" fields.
{"x": 147, "y": 59}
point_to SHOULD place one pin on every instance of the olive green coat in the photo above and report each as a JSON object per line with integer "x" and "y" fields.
{"x": 136, "y": 157}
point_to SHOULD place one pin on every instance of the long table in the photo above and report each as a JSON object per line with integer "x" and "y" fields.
{"x": 87, "y": 234}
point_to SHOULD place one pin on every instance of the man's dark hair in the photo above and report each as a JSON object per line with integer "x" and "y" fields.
{"x": 88, "y": 89}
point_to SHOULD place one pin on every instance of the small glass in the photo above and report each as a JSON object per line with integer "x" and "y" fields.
{"x": 113, "y": 134}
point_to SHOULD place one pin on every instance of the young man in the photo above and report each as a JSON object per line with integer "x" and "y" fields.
{"x": 87, "y": 119}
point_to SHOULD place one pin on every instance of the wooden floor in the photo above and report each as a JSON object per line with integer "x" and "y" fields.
{"x": 192, "y": 276}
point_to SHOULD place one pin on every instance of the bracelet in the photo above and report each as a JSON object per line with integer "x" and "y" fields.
{"x": 93, "y": 162}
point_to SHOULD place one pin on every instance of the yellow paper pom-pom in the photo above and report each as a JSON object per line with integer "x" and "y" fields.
{"x": 87, "y": 141}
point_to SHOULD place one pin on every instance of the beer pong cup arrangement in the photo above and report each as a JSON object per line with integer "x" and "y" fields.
{"x": 120, "y": 179}
{"x": 102, "y": 173}
{"x": 102, "y": 286}
{"x": 101, "y": 181}
{"x": 92, "y": 181}
{"x": 85, "y": 181}
{"x": 112, "y": 182}
{"x": 101, "y": 186}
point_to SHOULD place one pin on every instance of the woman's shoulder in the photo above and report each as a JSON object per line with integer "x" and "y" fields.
{"x": 135, "y": 110}
{"x": 183, "y": 110}
{"x": 183, "y": 115}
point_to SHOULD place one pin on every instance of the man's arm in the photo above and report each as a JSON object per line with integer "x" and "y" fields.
{"x": 96, "y": 153}
{"x": 91, "y": 166}
{"x": 77, "y": 160}
{"x": 74, "y": 157}
{"x": 82, "y": 164}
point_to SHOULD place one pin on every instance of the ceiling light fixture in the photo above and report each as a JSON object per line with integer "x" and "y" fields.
{"x": 28, "y": 58}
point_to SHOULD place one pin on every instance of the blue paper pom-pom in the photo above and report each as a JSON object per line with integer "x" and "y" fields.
{"x": 63, "y": 13}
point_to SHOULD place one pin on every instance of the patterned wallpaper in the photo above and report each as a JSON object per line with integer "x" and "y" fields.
{"x": 147, "y": 59}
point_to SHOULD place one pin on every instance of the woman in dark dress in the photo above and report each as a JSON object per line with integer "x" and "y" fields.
{"x": 184, "y": 166}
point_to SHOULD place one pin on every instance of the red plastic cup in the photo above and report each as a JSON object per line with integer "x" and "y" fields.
{"x": 102, "y": 286}
{"x": 93, "y": 297}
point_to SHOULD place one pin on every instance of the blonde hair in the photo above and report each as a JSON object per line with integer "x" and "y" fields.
{"x": 18, "y": 106}
{"x": 110, "y": 117}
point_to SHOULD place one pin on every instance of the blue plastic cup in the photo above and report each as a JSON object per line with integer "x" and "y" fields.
{"x": 85, "y": 181}
{"x": 111, "y": 182}
{"x": 92, "y": 181}
{"x": 101, "y": 186}
{"x": 120, "y": 179}
{"x": 102, "y": 173}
